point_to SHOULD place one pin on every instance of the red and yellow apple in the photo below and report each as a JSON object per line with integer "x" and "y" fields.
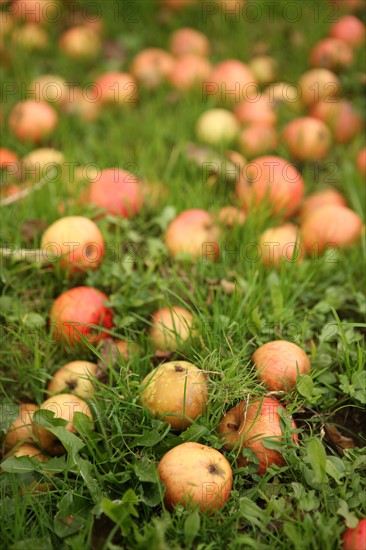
{"x": 307, "y": 138}
{"x": 80, "y": 42}
{"x": 188, "y": 71}
{"x": 152, "y": 66}
{"x": 189, "y": 41}
{"x": 20, "y": 430}
{"x": 117, "y": 88}
{"x": 32, "y": 121}
{"x": 341, "y": 118}
{"x": 319, "y": 85}
{"x": 116, "y": 191}
{"x": 231, "y": 81}
{"x": 350, "y": 29}
{"x": 260, "y": 111}
{"x": 331, "y": 53}
{"x": 281, "y": 244}
{"x": 321, "y": 198}
{"x": 257, "y": 139}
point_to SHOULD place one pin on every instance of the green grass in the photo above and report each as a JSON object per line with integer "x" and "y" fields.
{"x": 105, "y": 493}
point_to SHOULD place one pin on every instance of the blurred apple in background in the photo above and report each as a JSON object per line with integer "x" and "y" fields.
{"x": 230, "y": 216}
{"x": 189, "y": 41}
{"x": 116, "y": 192}
{"x": 32, "y": 121}
{"x": 257, "y": 139}
{"x": 217, "y": 126}
{"x": 49, "y": 87}
{"x": 321, "y": 198}
{"x": 281, "y": 244}
{"x": 151, "y": 67}
{"x": 8, "y": 160}
{"x": 361, "y": 162}
{"x": 260, "y": 111}
{"x": 341, "y": 118}
{"x": 44, "y": 162}
{"x": 282, "y": 93}
{"x": 36, "y": 11}
{"x": 331, "y": 53}
{"x": 30, "y": 36}
{"x": 170, "y": 328}
{"x": 264, "y": 68}
{"x": 349, "y": 29}
{"x": 84, "y": 103}
{"x": 307, "y": 138}
{"x": 116, "y": 88}
{"x": 319, "y": 85}
{"x": 80, "y": 43}
{"x": 189, "y": 71}
{"x": 231, "y": 81}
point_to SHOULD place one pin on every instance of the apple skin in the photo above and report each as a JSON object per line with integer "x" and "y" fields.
{"x": 355, "y": 539}
{"x": 361, "y": 162}
{"x": 64, "y": 405}
{"x": 247, "y": 424}
{"x": 319, "y": 85}
{"x": 176, "y": 392}
{"x": 331, "y": 53}
{"x": 349, "y": 29}
{"x": 289, "y": 249}
{"x": 117, "y": 88}
{"x": 38, "y": 163}
{"x": 331, "y": 226}
{"x": 74, "y": 377}
{"x": 78, "y": 308}
{"x": 127, "y": 349}
{"x": 256, "y": 112}
{"x": 170, "y": 328}
{"x": 32, "y": 121}
{"x": 117, "y": 192}
{"x": 344, "y": 122}
{"x": 50, "y": 87}
{"x": 284, "y": 93}
{"x": 231, "y": 216}
{"x": 231, "y": 81}
{"x": 189, "y": 71}
{"x": 257, "y": 139}
{"x": 195, "y": 474}
{"x": 20, "y": 430}
{"x": 273, "y": 179}
{"x": 80, "y": 42}
{"x": 217, "y": 126}
{"x": 307, "y": 138}
{"x": 151, "y": 67}
{"x": 189, "y": 41}
{"x": 88, "y": 247}
{"x": 279, "y": 363}
{"x": 264, "y": 68}
{"x": 8, "y": 158}
{"x": 321, "y": 198}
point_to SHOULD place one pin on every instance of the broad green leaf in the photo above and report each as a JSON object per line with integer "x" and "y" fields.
{"x": 146, "y": 471}
{"x": 191, "y": 527}
{"x": 251, "y": 512}
{"x": 317, "y": 458}
{"x": 70, "y": 441}
{"x": 305, "y": 386}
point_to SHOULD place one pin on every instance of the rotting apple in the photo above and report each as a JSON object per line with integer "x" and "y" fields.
{"x": 75, "y": 377}
{"x": 64, "y": 406}
{"x": 170, "y": 328}
{"x": 189, "y": 41}
{"x": 355, "y": 538}
{"x": 152, "y": 66}
{"x": 32, "y": 121}
{"x": 117, "y": 88}
{"x": 20, "y": 430}
{"x": 217, "y": 126}
{"x": 80, "y": 42}
{"x": 117, "y": 192}
{"x": 75, "y": 241}
{"x": 331, "y": 53}
{"x": 350, "y": 29}
{"x": 321, "y": 198}
{"x": 195, "y": 475}
{"x": 281, "y": 244}
{"x": 176, "y": 392}
{"x": 307, "y": 138}
{"x": 279, "y": 364}
{"x": 80, "y": 310}
{"x": 193, "y": 234}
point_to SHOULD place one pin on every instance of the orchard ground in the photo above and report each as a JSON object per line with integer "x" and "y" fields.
{"x": 105, "y": 493}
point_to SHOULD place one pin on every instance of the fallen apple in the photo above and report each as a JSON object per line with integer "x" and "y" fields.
{"x": 188, "y": 71}
{"x": 258, "y": 112}
{"x": 341, "y": 118}
{"x": 319, "y": 85}
{"x": 117, "y": 192}
{"x": 170, "y": 328}
{"x": 264, "y": 68}
{"x": 84, "y": 103}
{"x": 231, "y": 81}
{"x": 331, "y": 53}
{"x": 355, "y": 538}
{"x": 152, "y": 66}
{"x": 257, "y": 139}
{"x": 279, "y": 364}
{"x": 361, "y": 162}
{"x": 117, "y": 88}
{"x": 217, "y": 126}
{"x": 20, "y": 430}
{"x": 283, "y": 93}
{"x": 40, "y": 163}
{"x": 307, "y": 138}
{"x": 8, "y": 160}
{"x": 75, "y": 377}
{"x": 80, "y": 42}
{"x": 176, "y": 392}
{"x": 189, "y": 41}
{"x": 32, "y": 121}
{"x": 195, "y": 475}
{"x": 36, "y": 11}
{"x": 281, "y": 244}
{"x": 321, "y": 198}
{"x": 30, "y": 36}
{"x": 230, "y": 216}
{"x": 49, "y": 87}
{"x": 349, "y": 29}
{"x": 80, "y": 310}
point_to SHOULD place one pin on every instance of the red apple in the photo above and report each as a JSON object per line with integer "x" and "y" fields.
{"x": 260, "y": 111}
{"x": 231, "y": 81}
{"x": 117, "y": 192}
{"x": 75, "y": 377}
{"x": 331, "y": 226}
{"x": 189, "y": 71}
{"x": 307, "y": 138}
{"x": 264, "y": 68}
{"x": 8, "y": 159}
{"x": 20, "y": 430}
{"x": 189, "y": 41}
{"x": 281, "y": 244}
{"x": 331, "y": 53}
{"x": 321, "y": 198}
{"x": 80, "y": 310}
{"x": 193, "y": 234}
{"x": 32, "y": 121}
{"x": 249, "y": 425}
{"x": 361, "y": 162}
{"x": 217, "y": 126}
{"x": 349, "y": 29}
{"x": 117, "y": 88}
{"x": 344, "y": 122}
{"x": 195, "y": 475}
{"x": 279, "y": 363}
{"x": 176, "y": 392}
{"x": 152, "y": 66}
{"x": 170, "y": 328}
{"x": 319, "y": 85}
{"x": 257, "y": 139}
{"x": 272, "y": 179}
{"x": 80, "y": 42}
{"x": 355, "y": 539}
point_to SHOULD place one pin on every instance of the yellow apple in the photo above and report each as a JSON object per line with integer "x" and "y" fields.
{"x": 74, "y": 377}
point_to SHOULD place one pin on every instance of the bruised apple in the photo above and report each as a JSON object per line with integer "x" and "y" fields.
{"x": 331, "y": 53}
{"x": 249, "y": 425}
{"x": 355, "y": 539}
{"x": 189, "y": 41}
{"x": 195, "y": 475}
{"x": 321, "y": 198}
{"x": 274, "y": 180}
{"x": 73, "y": 377}
{"x": 152, "y": 66}
{"x": 331, "y": 226}
{"x": 281, "y": 244}
{"x": 194, "y": 234}
{"x": 349, "y": 29}
{"x": 307, "y": 138}
{"x": 64, "y": 406}
{"x": 176, "y": 392}
{"x": 32, "y": 121}
{"x": 117, "y": 192}
{"x": 279, "y": 363}
{"x": 170, "y": 328}
{"x": 80, "y": 310}
{"x": 117, "y": 88}
{"x": 217, "y": 126}
{"x": 20, "y": 430}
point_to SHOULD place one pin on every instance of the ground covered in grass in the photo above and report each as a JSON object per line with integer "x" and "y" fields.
{"x": 105, "y": 493}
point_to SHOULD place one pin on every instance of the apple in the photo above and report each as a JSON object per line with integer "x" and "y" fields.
{"x": 64, "y": 405}
{"x": 36, "y": 11}
{"x": 273, "y": 179}
{"x": 152, "y": 66}
{"x": 320, "y": 198}
{"x": 231, "y": 81}
{"x": 319, "y": 85}
{"x": 32, "y": 121}
{"x": 76, "y": 241}
{"x": 80, "y": 309}
{"x": 84, "y": 103}
{"x": 20, "y": 430}
{"x": 307, "y": 138}
{"x": 258, "y": 112}
{"x": 344, "y": 122}
{"x": 257, "y": 139}
{"x": 249, "y": 424}
{"x": 117, "y": 88}
{"x": 189, "y": 41}
{"x": 74, "y": 377}
{"x": 349, "y": 29}
{"x": 176, "y": 392}
{"x": 188, "y": 71}
{"x": 193, "y": 234}
{"x": 217, "y": 126}
{"x": 30, "y": 36}
{"x": 280, "y": 93}
{"x": 281, "y": 244}
{"x": 195, "y": 475}
{"x": 331, "y": 53}
{"x": 80, "y": 42}
{"x": 279, "y": 363}
{"x": 49, "y": 87}
{"x": 361, "y": 162}
{"x": 117, "y": 192}
{"x": 231, "y": 216}
{"x": 8, "y": 159}
{"x": 27, "y": 449}
{"x": 264, "y": 68}
{"x": 170, "y": 328}
{"x": 331, "y": 226}
{"x": 39, "y": 163}
{"x": 126, "y": 349}
{"x": 355, "y": 539}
